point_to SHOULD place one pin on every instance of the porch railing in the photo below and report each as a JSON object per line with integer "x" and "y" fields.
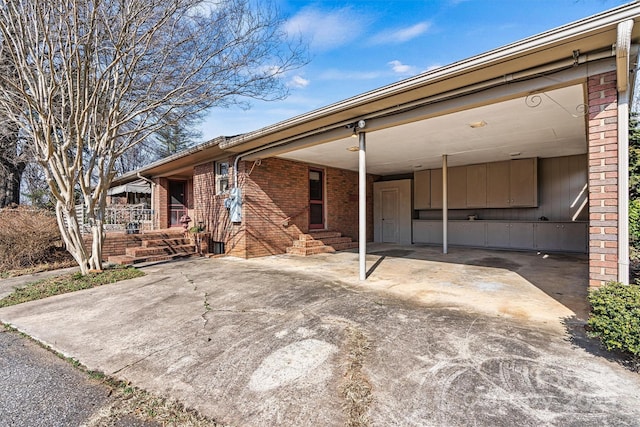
{"x": 129, "y": 218}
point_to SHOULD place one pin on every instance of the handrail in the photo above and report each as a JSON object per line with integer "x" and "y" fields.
{"x": 285, "y": 222}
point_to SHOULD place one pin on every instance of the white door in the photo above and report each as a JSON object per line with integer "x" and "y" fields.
{"x": 389, "y": 215}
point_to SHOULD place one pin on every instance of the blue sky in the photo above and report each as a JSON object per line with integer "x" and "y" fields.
{"x": 357, "y": 46}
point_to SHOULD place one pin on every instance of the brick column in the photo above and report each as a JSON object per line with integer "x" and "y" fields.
{"x": 603, "y": 179}
{"x": 161, "y": 202}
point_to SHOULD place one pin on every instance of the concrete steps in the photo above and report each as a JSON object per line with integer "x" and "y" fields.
{"x": 319, "y": 242}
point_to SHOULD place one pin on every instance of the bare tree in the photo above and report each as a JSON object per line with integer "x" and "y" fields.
{"x": 13, "y": 150}
{"x": 97, "y": 77}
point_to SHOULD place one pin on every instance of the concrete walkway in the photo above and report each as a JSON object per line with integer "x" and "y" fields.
{"x": 9, "y": 284}
{"x": 272, "y": 341}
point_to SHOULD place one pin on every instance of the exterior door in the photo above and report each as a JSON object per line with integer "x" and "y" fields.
{"x": 316, "y": 199}
{"x": 390, "y": 218}
{"x": 177, "y": 202}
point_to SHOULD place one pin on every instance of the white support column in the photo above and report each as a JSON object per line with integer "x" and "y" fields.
{"x": 445, "y": 207}
{"x": 362, "y": 205}
{"x": 623, "y": 187}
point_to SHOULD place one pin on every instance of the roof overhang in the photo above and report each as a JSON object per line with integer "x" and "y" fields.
{"x": 180, "y": 164}
{"x": 562, "y": 48}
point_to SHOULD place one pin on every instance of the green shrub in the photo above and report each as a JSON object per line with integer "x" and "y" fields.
{"x": 634, "y": 223}
{"x": 615, "y": 317}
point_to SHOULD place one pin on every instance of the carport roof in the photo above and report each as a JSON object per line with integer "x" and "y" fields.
{"x": 321, "y": 136}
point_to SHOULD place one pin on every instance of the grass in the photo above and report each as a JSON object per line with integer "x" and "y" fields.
{"x": 67, "y": 283}
{"x": 356, "y": 389}
{"x": 53, "y": 265}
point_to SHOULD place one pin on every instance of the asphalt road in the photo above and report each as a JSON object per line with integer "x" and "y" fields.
{"x": 37, "y": 388}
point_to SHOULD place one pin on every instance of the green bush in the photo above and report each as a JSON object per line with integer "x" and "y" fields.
{"x": 634, "y": 223}
{"x": 615, "y": 317}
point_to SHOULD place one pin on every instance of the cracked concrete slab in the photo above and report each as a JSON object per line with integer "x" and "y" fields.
{"x": 265, "y": 341}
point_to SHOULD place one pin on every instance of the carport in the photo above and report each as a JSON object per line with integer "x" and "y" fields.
{"x": 560, "y": 94}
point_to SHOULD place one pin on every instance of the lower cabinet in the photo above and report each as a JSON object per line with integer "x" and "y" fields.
{"x": 548, "y": 236}
{"x": 469, "y": 233}
{"x": 570, "y": 237}
{"x": 514, "y": 235}
{"x": 427, "y": 232}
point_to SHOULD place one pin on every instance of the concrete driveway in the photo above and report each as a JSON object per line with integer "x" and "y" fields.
{"x": 299, "y": 341}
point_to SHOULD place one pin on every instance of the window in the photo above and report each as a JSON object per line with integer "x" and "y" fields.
{"x": 222, "y": 177}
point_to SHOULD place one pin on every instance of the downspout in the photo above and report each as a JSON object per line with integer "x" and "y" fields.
{"x": 623, "y": 47}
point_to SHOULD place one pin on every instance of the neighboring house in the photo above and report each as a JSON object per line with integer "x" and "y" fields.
{"x": 529, "y": 141}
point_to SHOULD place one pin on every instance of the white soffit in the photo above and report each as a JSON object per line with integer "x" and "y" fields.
{"x": 555, "y": 127}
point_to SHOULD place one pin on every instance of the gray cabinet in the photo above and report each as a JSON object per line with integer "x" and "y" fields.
{"x": 514, "y": 235}
{"x": 498, "y": 234}
{"x": 564, "y": 237}
{"x": 520, "y": 235}
{"x": 422, "y": 189}
{"x": 427, "y": 232}
{"x": 467, "y": 233}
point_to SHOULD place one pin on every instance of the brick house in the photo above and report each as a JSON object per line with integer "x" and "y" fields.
{"x": 524, "y": 147}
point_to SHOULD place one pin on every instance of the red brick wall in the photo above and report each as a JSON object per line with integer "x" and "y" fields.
{"x": 275, "y": 206}
{"x": 603, "y": 179}
{"x": 209, "y": 208}
{"x": 342, "y": 200}
{"x": 273, "y": 192}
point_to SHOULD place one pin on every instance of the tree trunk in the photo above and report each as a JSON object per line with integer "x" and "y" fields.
{"x": 10, "y": 179}
{"x": 70, "y": 231}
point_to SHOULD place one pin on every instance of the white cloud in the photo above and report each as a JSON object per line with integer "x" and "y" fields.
{"x": 325, "y": 30}
{"x": 298, "y": 82}
{"x": 400, "y": 68}
{"x": 401, "y": 35}
{"x": 334, "y": 74}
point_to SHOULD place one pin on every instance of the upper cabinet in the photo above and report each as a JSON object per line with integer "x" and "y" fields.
{"x": 498, "y": 194}
{"x": 477, "y": 186}
{"x": 506, "y": 184}
{"x": 457, "y": 187}
{"x": 523, "y": 183}
{"x": 422, "y": 189}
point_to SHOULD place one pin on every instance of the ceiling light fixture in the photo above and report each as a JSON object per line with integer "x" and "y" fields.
{"x": 353, "y": 148}
{"x": 479, "y": 124}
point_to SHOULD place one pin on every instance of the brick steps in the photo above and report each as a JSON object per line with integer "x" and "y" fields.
{"x": 129, "y": 260}
{"x": 173, "y": 241}
{"x": 155, "y": 246}
{"x": 160, "y": 250}
{"x": 320, "y": 242}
